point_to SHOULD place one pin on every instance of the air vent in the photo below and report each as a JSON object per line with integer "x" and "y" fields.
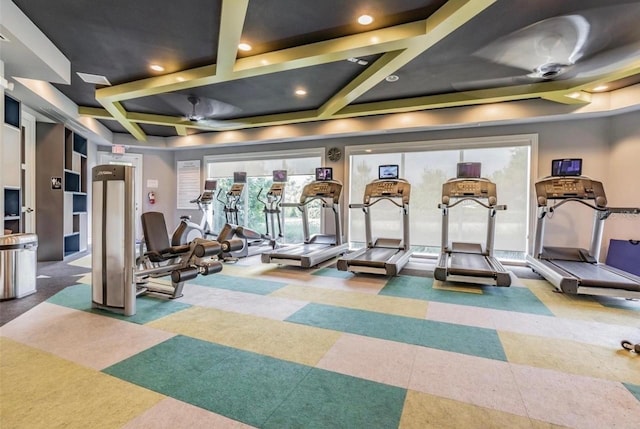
{"x": 96, "y": 79}
{"x": 4, "y": 38}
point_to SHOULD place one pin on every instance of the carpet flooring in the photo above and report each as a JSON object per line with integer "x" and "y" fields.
{"x": 264, "y": 346}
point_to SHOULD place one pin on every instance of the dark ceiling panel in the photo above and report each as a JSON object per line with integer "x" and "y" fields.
{"x": 119, "y": 39}
{"x": 260, "y": 95}
{"x": 452, "y": 65}
{"x": 278, "y": 24}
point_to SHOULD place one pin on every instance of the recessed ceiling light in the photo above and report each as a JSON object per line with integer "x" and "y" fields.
{"x": 244, "y": 47}
{"x": 365, "y": 19}
{"x": 368, "y": 150}
{"x": 391, "y": 78}
{"x": 600, "y": 88}
{"x": 156, "y": 67}
{"x": 180, "y": 79}
{"x": 301, "y": 92}
{"x": 574, "y": 95}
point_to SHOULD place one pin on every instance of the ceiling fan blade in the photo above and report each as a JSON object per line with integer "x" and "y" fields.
{"x": 479, "y": 84}
{"x": 608, "y": 61}
{"x": 557, "y": 40}
{"x": 194, "y": 106}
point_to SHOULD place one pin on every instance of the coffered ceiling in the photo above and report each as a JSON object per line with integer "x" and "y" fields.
{"x": 311, "y": 60}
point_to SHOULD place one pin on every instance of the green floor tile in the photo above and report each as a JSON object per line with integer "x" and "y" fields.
{"x": 517, "y": 299}
{"x": 244, "y": 386}
{"x": 332, "y": 272}
{"x": 328, "y": 400}
{"x": 148, "y": 308}
{"x": 408, "y": 287}
{"x": 440, "y": 335}
{"x": 635, "y": 390}
{"x": 240, "y": 284}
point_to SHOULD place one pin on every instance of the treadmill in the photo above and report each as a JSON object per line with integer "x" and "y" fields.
{"x": 316, "y": 248}
{"x": 385, "y": 256}
{"x": 575, "y": 270}
{"x": 469, "y": 262}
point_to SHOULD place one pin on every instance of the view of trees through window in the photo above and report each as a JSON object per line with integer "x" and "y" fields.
{"x": 508, "y": 167}
{"x": 300, "y": 171}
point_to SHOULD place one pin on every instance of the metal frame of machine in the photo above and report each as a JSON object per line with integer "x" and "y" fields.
{"x": 319, "y": 247}
{"x": 574, "y": 270}
{"x": 468, "y": 262}
{"x": 385, "y": 256}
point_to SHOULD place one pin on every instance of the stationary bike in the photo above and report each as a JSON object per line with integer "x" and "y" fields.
{"x": 187, "y": 230}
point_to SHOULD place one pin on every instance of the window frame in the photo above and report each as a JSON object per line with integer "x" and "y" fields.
{"x": 530, "y": 140}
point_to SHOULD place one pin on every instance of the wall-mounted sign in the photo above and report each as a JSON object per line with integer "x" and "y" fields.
{"x": 56, "y": 183}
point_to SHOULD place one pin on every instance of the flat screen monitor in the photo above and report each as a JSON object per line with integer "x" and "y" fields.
{"x": 469, "y": 170}
{"x": 324, "y": 173}
{"x": 566, "y": 167}
{"x": 240, "y": 177}
{"x": 210, "y": 185}
{"x": 279, "y": 176}
{"x": 388, "y": 171}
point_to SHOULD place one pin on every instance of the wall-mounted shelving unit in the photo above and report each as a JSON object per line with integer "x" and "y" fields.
{"x": 11, "y": 167}
{"x": 61, "y": 192}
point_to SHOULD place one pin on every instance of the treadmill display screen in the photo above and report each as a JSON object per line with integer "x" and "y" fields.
{"x": 324, "y": 173}
{"x": 566, "y": 167}
{"x": 210, "y": 185}
{"x": 279, "y": 176}
{"x": 388, "y": 171}
{"x": 240, "y": 177}
{"x": 469, "y": 170}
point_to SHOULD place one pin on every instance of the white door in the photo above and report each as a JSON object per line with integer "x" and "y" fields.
{"x": 135, "y": 160}
{"x": 29, "y": 172}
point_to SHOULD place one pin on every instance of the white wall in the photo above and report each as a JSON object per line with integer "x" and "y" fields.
{"x": 610, "y": 148}
{"x": 623, "y": 186}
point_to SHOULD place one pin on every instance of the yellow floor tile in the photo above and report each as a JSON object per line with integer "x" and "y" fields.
{"x": 456, "y": 287}
{"x": 379, "y": 303}
{"x": 39, "y": 390}
{"x": 581, "y": 307}
{"x": 282, "y": 340}
{"x": 571, "y": 357}
{"x": 424, "y": 411}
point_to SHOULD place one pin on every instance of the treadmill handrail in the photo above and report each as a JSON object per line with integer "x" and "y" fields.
{"x": 364, "y": 205}
{"x": 578, "y": 200}
{"x": 475, "y": 200}
{"x": 299, "y": 205}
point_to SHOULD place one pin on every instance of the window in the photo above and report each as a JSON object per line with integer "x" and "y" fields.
{"x": 427, "y": 165}
{"x": 300, "y": 166}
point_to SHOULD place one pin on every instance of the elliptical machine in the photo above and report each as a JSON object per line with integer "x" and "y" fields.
{"x": 272, "y": 207}
{"x": 188, "y": 230}
{"x": 254, "y": 241}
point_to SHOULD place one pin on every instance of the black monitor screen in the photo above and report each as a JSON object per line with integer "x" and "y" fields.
{"x": 210, "y": 185}
{"x": 566, "y": 167}
{"x": 11, "y": 111}
{"x": 279, "y": 176}
{"x": 324, "y": 173}
{"x": 388, "y": 171}
{"x": 469, "y": 170}
{"x": 240, "y": 177}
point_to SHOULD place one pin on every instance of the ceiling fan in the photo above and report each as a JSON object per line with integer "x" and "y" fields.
{"x": 204, "y": 111}
{"x": 578, "y": 46}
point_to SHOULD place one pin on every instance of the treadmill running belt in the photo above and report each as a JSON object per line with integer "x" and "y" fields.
{"x": 597, "y": 275}
{"x": 470, "y": 264}
{"x": 375, "y": 257}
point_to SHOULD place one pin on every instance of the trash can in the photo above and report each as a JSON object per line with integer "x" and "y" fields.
{"x": 18, "y": 265}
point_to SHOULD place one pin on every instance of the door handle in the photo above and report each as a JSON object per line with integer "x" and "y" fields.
{"x": 28, "y": 210}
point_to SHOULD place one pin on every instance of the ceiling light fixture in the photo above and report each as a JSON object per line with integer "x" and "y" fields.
{"x": 301, "y": 92}
{"x": 95, "y": 79}
{"x": 392, "y": 78}
{"x": 365, "y": 19}
{"x": 245, "y": 47}
{"x": 358, "y": 61}
{"x": 574, "y": 95}
{"x": 600, "y": 88}
{"x": 156, "y": 67}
